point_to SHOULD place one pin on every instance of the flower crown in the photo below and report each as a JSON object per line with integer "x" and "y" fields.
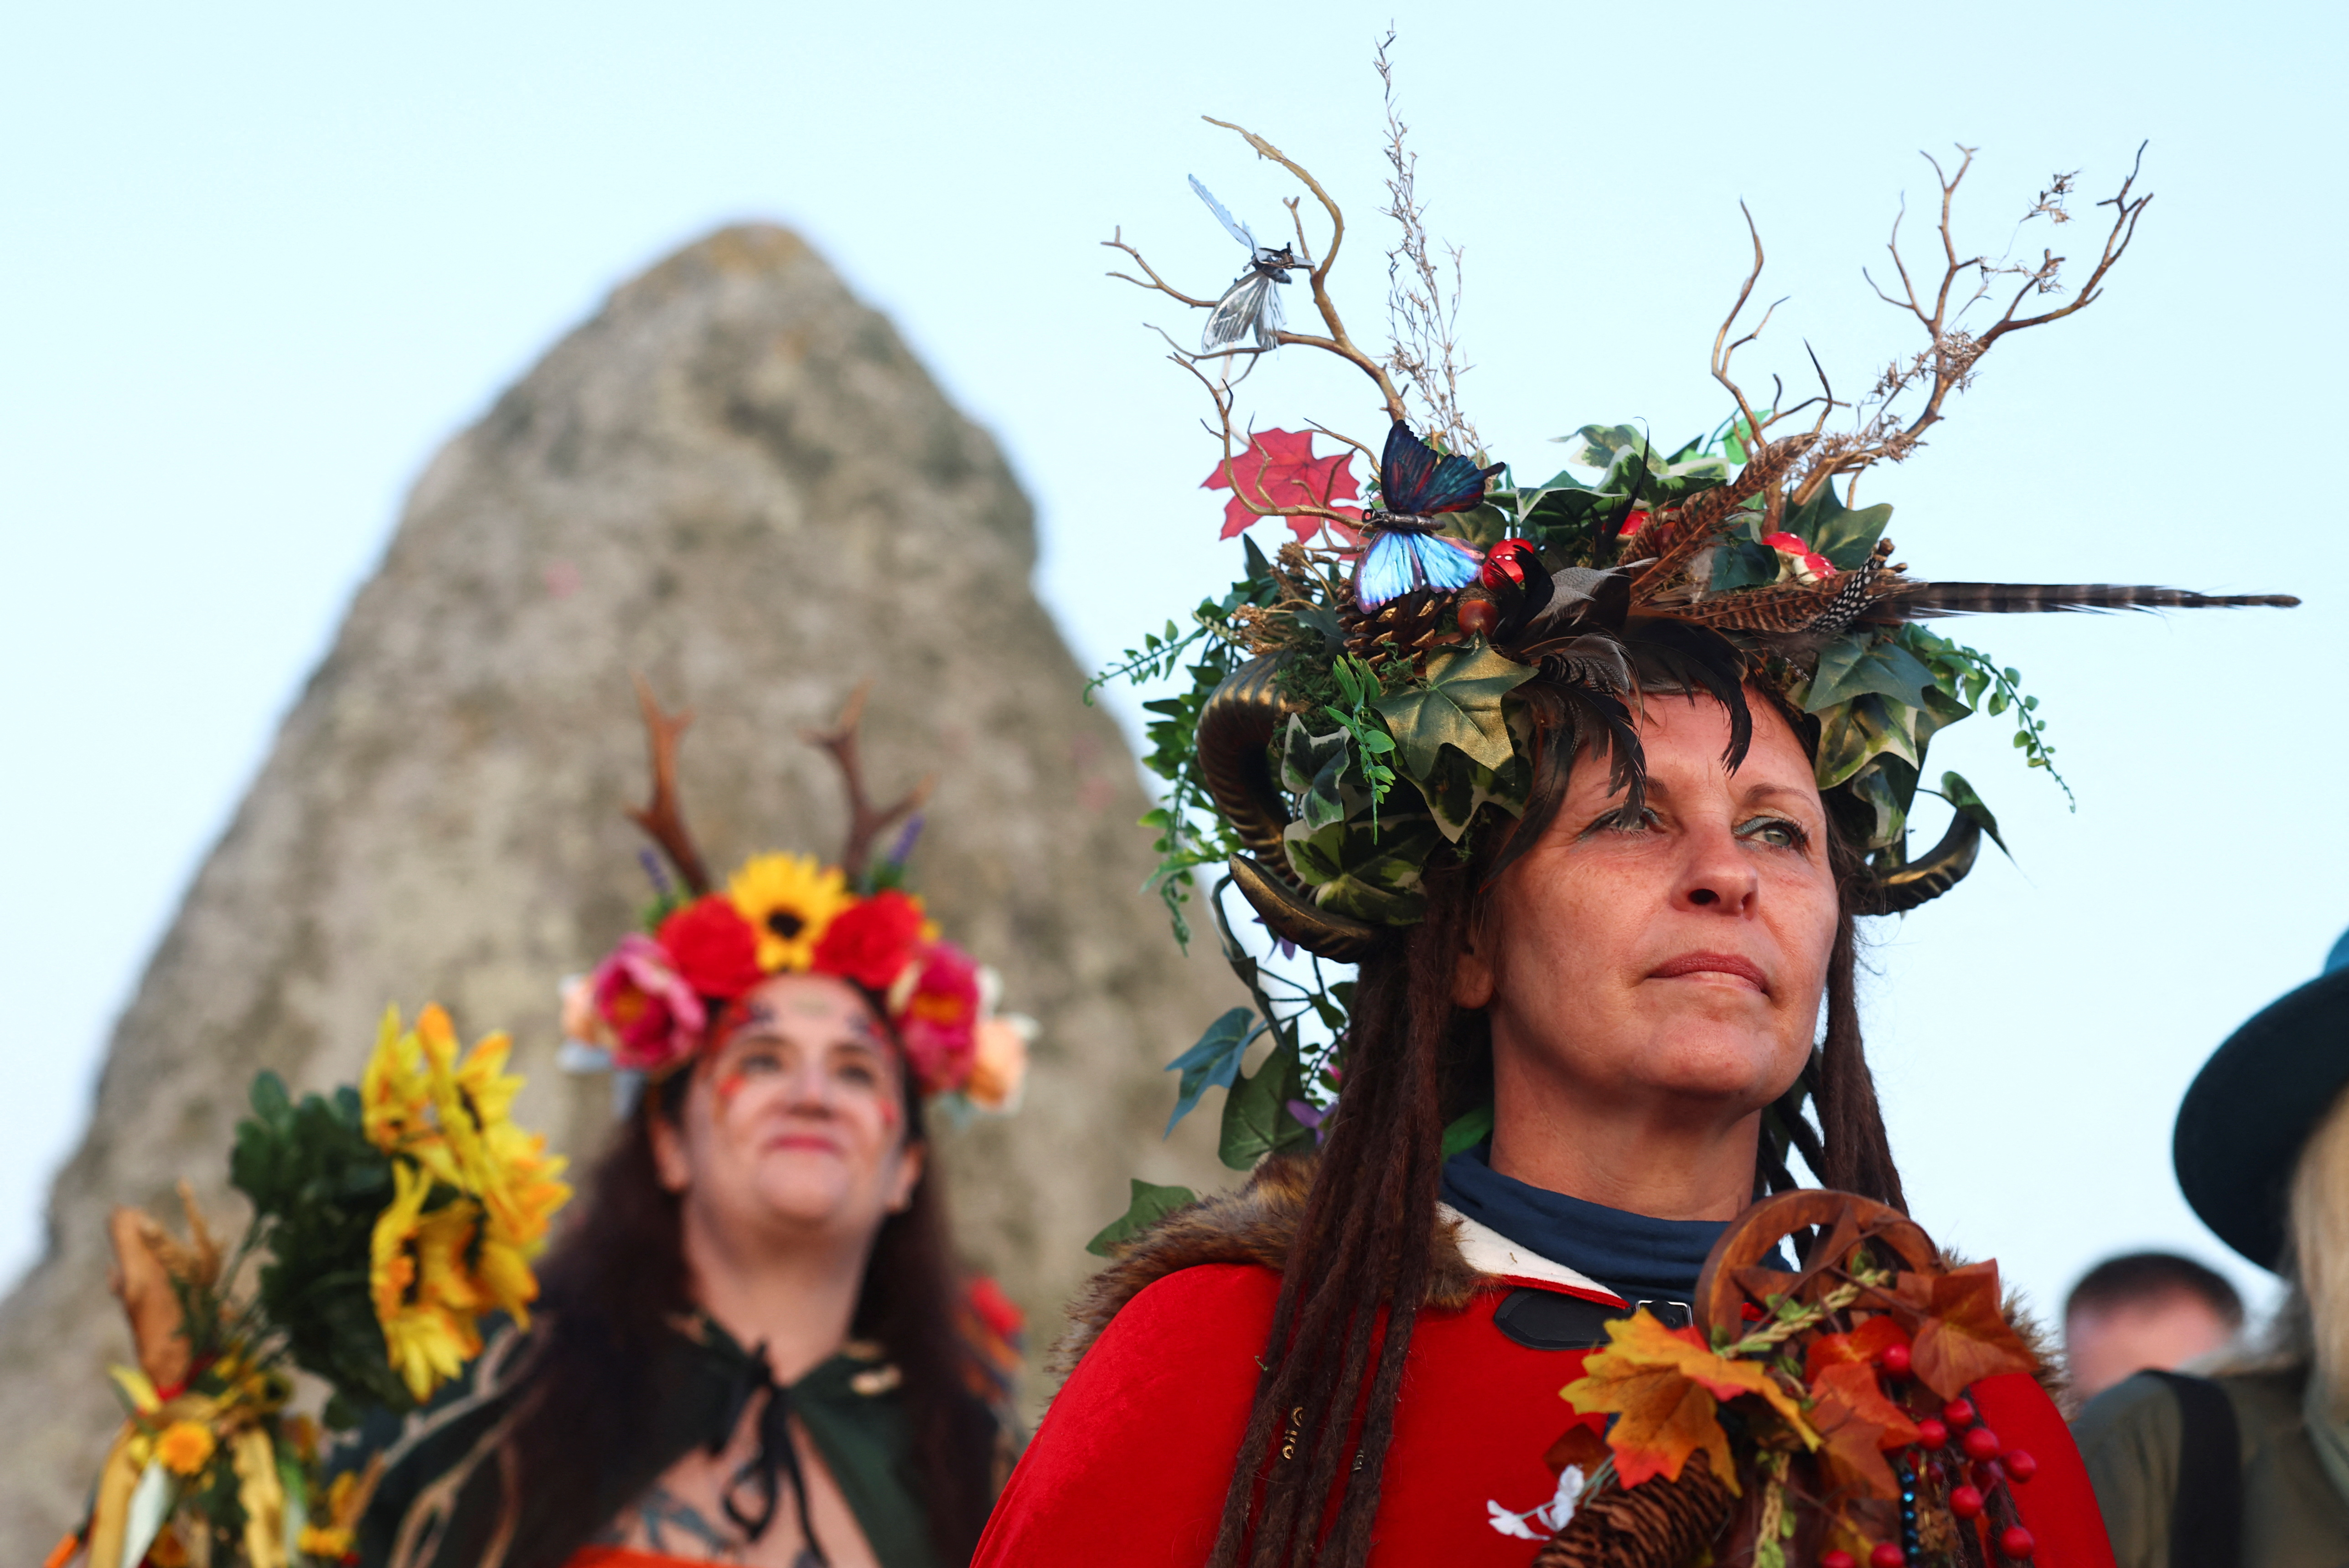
{"x": 660, "y": 995}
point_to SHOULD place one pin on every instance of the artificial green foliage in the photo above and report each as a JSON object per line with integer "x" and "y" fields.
{"x": 1191, "y": 832}
{"x": 1213, "y": 1060}
{"x": 317, "y": 1185}
{"x": 1456, "y": 702}
{"x": 1359, "y": 687}
{"x": 1148, "y": 1205}
{"x": 1365, "y": 872}
{"x": 1257, "y": 1115}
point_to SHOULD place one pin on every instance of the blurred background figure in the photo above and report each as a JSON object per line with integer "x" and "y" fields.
{"x": 2144, "y": 1311}
{"x": 2249, "y": 1466}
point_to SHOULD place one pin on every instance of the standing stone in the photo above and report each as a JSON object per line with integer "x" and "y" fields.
{"x": 737, "y": 481}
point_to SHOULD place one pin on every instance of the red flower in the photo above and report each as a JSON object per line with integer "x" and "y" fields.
{"x": 871, "y": 942}
{"x": 938, "y": 1018}
{"x": 655, "y": 1016}
{"x": 712, "y": 947}
{"x": 998, "y": 1311}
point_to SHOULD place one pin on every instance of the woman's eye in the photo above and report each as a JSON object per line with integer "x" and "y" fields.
{"x": 1775, "y": 832}
{"x": 753, "y": 1062}
{"x": 1624, "y": 819}
{"x": 861, "y": 1074}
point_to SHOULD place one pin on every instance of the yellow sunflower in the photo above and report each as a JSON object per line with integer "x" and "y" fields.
{"x": 395, "y": 1089}
{"x": 424, "y": 1299}
{"x": 788, "y": 900}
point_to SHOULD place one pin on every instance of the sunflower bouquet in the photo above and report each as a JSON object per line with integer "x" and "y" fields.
{"x": 388, "y": 1221}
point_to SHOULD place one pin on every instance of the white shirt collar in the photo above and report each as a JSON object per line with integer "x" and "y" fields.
{"x": 1490, "y": 1253}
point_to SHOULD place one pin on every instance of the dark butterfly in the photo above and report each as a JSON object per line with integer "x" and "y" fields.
{"x": 1416, "y": 485}
{"x": 1249, "y": 307}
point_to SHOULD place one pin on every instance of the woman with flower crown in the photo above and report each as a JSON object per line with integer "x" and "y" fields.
{"x": 1593, "y": 782}
{"x": 750, "y": 1344}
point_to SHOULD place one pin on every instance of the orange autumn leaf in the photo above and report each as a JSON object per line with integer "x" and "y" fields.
{"x": 1661, "y": 1384}
{"x": 1867, "y": 1343}
{"x": 1964, "y": 1336}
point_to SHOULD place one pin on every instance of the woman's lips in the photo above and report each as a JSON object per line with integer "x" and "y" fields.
{"x": 814, "y": 1141}
{"x": 1728, "y": 963}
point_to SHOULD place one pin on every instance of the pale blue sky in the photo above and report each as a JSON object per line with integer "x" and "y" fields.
{"x": 261, "y": 259}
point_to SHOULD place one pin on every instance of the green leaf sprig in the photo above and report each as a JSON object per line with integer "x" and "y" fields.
{"x": 1359, "y": 688}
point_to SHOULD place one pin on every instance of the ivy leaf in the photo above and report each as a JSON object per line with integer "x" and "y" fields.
{"x": 1459, "y": 705}
{"x": 1278, "y": 469}
{"x": 1312, "y": 767}
{"x": 1848, "y": 537}
{"x": 1468, "y": 1130}
{"x": 1361, "y": 874}
{"x": 1213, "y": 1060}
{"x": 1149, "y": 1206}
{"x": 1960, "y": 794}
{"x": 1854, "y": 664}
{"x": 1256, "y": 1118}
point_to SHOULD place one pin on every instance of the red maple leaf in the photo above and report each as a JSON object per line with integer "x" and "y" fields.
{"x": 1277, "y": 468}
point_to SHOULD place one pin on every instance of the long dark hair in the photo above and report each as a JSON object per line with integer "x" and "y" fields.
{"x": 1359, "y": 1266}
{"x": 618, "y": 1277}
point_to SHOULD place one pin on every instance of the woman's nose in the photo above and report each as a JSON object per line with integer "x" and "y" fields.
{"x": 1717, "y": 876}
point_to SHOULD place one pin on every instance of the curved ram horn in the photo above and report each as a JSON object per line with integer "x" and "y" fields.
{"x": 1241, "y": 718}
{"x": 1291, "y": 914}
{"x": 1899, "y": 891}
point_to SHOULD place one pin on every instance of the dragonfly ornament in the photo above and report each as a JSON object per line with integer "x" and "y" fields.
{"x": 1249, "y": 308}
{"x": 1417, "y": 485}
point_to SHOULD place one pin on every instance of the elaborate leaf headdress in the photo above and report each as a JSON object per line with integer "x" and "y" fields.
{"x": 1337, "y": 737}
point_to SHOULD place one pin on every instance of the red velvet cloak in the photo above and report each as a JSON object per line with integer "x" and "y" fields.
{"x": 1129, "y": 1465}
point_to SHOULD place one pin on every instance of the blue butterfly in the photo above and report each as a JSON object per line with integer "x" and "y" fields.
{"x": 1417, "y": 484}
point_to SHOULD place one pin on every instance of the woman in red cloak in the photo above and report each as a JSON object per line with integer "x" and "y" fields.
{"x": 1596, "y": 817}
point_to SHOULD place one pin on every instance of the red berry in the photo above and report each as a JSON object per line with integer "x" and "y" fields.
{"x": 1895, "y": 1360}
{"x": 1958, "y": 1413}
{"x": 1988, "y": 1474}
{"x": 2016, "y": 1542}
{"x": 1885, "y": 1554}
{"x": 1980, "y": 1445}
{"x": 2019, "y": 1465}
{"x": 1478, "y": 616}
{"x": 1751, "y": 1313}
{"x": 1837, "y": 1560}
{"x": 1965, "y": 1503}
{"x": 1931, "y": 1433}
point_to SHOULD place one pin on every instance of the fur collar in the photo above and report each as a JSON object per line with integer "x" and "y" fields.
{"x": 1255, "y": 1224}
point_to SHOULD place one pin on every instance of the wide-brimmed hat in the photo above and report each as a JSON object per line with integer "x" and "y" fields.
{"x": 2250, "y": 1109}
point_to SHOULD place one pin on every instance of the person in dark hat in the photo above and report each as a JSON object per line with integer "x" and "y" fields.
{"x": 2249, "y": 1468}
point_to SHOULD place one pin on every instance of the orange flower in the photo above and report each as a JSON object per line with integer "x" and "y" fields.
{"x": 185, "y": 1448}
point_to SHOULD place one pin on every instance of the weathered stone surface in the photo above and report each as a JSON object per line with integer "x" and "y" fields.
{"x": 736, "y": 480}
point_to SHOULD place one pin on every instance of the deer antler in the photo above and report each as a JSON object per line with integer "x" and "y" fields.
{"x": 662, "y": 818}
{"x": 865, "y": 822}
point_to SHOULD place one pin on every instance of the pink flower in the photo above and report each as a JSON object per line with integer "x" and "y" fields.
{"x": 1796, "y": 561}
{"x": 654, "y": 1014}
{"x": 938, "y": 1016}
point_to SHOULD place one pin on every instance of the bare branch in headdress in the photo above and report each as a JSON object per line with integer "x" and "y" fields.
{"x": 1261, "y": 504}
{"x": 1338, "y": 342}
{"x": 1723, "y": 351}
{"x": 866, "y": 822}
{"x": 663, "y": 817}
{"x": 1422, "y": 318}
{"x": 1116, "y": 242}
